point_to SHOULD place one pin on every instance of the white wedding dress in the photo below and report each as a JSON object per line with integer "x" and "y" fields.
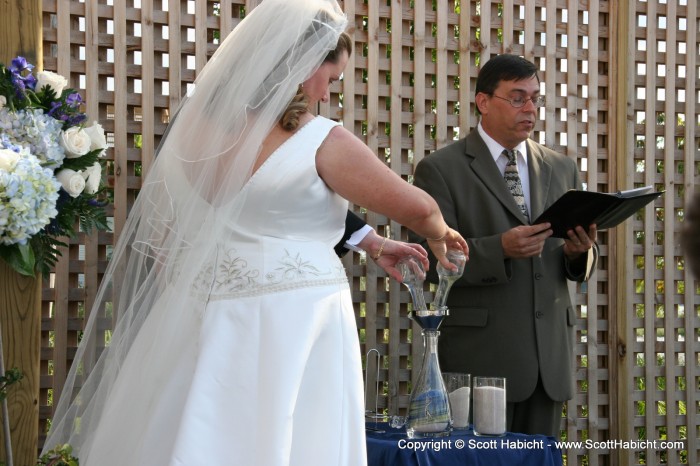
{"x": 270, "y": 373}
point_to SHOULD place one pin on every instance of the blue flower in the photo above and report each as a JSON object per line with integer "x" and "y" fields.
{"x": 28, "y": 194}
{"x": 20, "y": 64}
{"x": 74, "y": 100}
{"x": 35, "y": 130}
{"x": 22, "y": 81}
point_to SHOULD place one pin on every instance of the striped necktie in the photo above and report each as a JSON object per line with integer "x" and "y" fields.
{"x": 513, "y": 181}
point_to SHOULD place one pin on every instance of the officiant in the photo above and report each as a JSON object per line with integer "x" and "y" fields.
{"x": 510, "y": 314}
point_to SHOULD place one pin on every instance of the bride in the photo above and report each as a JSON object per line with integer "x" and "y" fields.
{"x": 235, "y": 339}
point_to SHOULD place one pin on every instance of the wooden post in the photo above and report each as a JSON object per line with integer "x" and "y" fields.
{"x": 20, "y": 30}
{"x": 621, "y": 361}
{"x": 20, "y": 317}
{"x": 20, "y": 297}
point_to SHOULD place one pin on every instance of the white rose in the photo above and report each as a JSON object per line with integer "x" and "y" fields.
{"x": 51, "y": 79}
{"x": 93, "y": 176}
{"x": 3, "y": 101}
{"x": 98, "y": 140}
{"x": 73, "y": 182}
{"x": 8, "y": 159}
{"x": 76, "y": 142}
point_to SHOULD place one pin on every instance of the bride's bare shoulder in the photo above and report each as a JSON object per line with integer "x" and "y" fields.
{"x": 341, "y": 140}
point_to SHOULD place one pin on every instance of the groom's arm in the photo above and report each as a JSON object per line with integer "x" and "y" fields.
{"x": 385, "y": 252}
{"x": 356, "y": 228}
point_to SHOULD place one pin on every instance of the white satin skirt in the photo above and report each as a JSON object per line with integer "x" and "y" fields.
{"x": 271, "y": 380}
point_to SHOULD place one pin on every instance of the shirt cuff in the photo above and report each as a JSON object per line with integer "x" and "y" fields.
{"x": 356, "y": 237}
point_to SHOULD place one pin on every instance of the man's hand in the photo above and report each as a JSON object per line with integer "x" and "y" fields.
{"x": 525, "y": 241}
{"x": 579, "y": 241}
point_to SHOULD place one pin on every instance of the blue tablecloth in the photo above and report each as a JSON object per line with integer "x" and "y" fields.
{"x": 392, "y": 447}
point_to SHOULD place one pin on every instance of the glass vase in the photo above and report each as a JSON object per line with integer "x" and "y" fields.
{"x": 429, "y": 407}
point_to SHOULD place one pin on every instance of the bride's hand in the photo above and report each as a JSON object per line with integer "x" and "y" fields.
{"x": 386, "y": 253}
{"x": 451, "y": 240}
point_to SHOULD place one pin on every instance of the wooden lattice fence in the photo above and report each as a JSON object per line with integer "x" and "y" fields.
{"x": 623, "y": 90}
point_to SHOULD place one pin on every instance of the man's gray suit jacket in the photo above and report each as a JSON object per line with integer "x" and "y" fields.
{"x": 508, "y": 317}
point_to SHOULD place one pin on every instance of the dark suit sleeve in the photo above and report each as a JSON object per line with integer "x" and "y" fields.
{"x": 352, "y": 224}
{"x": 581, "y": 269}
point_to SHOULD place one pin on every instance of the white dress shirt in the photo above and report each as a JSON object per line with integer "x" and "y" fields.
{"x": 501, "y": 160}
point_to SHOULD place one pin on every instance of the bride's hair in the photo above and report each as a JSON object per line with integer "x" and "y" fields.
{"x": 300, "y": 104}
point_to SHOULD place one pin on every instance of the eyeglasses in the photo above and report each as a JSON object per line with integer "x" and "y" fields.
{"x": 520, "y": 101}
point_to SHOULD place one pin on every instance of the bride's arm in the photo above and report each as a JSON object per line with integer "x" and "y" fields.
{"x": 352, "y": 170}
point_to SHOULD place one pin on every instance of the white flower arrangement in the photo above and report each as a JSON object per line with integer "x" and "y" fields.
{"x": 50, "y": 170}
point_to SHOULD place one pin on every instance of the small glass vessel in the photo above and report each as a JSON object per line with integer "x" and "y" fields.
{"x": 448, "y": 277}
{"x": 413, "y": 277}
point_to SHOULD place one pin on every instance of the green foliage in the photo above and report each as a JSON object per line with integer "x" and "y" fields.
{"x": 60, "y": 455}
{"x": 90, "y": 214}
{"x": 11, "y": 376}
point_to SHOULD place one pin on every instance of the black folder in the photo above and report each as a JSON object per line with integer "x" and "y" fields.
{"x": 584, "y": 208}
